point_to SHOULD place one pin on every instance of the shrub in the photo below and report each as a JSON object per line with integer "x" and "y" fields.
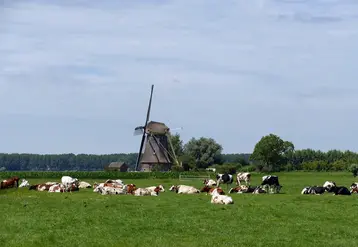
{"x": 353, "y": 168}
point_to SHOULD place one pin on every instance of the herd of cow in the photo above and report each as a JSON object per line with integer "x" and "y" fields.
{"x": 269, "y": 184}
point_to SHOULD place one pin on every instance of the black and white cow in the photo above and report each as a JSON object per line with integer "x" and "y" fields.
{"x": 340, "y": 190}
{"x": 315, "y": 190}
{"x": 271, "y": 181}
{"x": 225, "y": 178}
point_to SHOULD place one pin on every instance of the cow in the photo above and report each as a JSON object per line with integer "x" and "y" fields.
{"x": 10, "y": 183}
{"x": 209, "y": 182}
{"x": 84, "y": 185}
{"x": 329, "y": 184}
{"x": 112, "y": 191}
{"x": 210, "y": 190}
{"x": 131, "y": 188}
{"x": 184, "y": 189}
{"x": 116, "y": 181}
{"x": 340, "y": 190}
{"x": 152, "y": 188}
{"x": 259, "y": 190}
{"x": 271, "y": 181}
{"x": 354, "y": 188}
{"x": 225, "y": 178}
{"x": 68, "y": 181}
{"x": 221, "y": 199}
{"x": 238, "y": 189}
{"x": 315, "y": 190}
{"x": 41, "y": 187}
{"x": 24, "y": 183}
{"x": 146, "y": 192}
{"x": 243, "y": 176}
{"x": 56, "y": 188}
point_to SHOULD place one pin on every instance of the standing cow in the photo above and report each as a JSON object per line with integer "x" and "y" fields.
{"x": 225, "y": 178}
{"x": 243, "y": 176}
{"x": 69, "y": 183}
{"x": 271, "y": 182}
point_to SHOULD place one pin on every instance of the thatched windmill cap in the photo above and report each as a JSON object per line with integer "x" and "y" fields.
{"x": 157, "y": 128}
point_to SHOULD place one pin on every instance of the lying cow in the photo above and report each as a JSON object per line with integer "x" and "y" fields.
{"x": 24, "y": 183}
{"x": 147, "y": 192}
{"x": 84, "y": 185}
{"x": 40, "y": 187}
{"x": 209, "y": 182}
{"x": 259, "y": 190}
{"x": 160, "y": 188}
{"x": 340, "y": 190}
{"x": 329, "y": 184}
{"x": 210, "y": 190}
{"x": 221, "y": 199}
{"x": 315, "y": 190}
{"x": 184, "y": 189}
{"x": 354, "y": 188}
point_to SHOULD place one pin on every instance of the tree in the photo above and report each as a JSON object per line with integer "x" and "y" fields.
{"x": 177, "y": 144}
{"x": 353, "y": 168}
{"x": 271, "y": 151}
{"x": 205, "y": 151}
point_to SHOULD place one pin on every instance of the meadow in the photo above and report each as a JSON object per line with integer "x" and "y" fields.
{"x": 84, "y": 218}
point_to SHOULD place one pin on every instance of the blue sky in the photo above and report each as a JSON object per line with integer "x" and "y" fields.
{"x": 75, "y": 76}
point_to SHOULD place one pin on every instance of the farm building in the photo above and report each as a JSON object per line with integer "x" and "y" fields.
{"x": 117, "y": 166}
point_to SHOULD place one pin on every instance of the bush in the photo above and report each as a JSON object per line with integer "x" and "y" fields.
{"x": 353, "y": 168}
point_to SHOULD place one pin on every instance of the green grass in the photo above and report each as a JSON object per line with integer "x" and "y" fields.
{"x": 84, "y": 218}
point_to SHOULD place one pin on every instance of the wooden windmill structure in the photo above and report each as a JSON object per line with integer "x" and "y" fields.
{"x": 158, "y": 147}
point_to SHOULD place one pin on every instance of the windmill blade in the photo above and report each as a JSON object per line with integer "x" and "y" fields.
{"x": 138, "y": 130}
{"x": 145, "y": 125}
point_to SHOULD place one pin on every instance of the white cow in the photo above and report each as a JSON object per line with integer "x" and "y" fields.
{"x": 329, "y": 184}
{"x": 117, "y": 181}
{"x": 184, "y": 189}
{"x": 144, "y": 192}
{"x": 221, "y": 199}
{"x": 84, "y": 185}
{"x": 243, "y": 176}
{"x": 24, "y": 183}
{"x": 111, "y": 191}
{"x": 68, "y": 181}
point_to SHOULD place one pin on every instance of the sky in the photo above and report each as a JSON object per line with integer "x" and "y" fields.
{"x": 75, "y": 76}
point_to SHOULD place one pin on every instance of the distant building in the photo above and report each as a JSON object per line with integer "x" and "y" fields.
{"x": 117, "y": 166}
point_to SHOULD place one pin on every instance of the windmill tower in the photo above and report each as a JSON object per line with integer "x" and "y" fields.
{"x": 158, "y": 147}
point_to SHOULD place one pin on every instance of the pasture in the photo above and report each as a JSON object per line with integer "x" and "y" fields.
{"x": 84, "y": 218}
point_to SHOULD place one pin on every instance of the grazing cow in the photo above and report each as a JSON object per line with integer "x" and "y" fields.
{"x": 225, "y": 178}
{"x": 354, "y": 188}
{"x": 211, "y": 190}
{"x": 24, "y": 183}
{"x": 184, "y": 189}
{"x": 209, "y": 182}
{"x": 68, "y": 181}
{"x": 243, "y": 176}
{"x": 153, "y": 188}
{"x": 271, "y": 181}
{"x": 329, "y": 184}
{"x": 339, "y": 190}
{"x": 221, "y": 199}
{"x": 84, "y": 185}
{"x": 10, "y": 183}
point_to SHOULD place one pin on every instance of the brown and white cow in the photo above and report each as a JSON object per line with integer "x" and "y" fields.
{"x": 243, "y": 176}
{"x": 40, "y": 187}
{"x": 211, "y": 190}
{"x": 240, "y": 189}
{"x": 10, "y": 183}
{"x": 147, "y": 192}
{"x": 153, "y": 188}
{"x": 209, "y": 182}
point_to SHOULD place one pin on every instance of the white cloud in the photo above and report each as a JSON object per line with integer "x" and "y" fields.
{"x": 251, "y": 66}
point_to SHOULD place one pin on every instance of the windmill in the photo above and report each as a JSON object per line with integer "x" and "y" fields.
{"x": 158, "y": 147}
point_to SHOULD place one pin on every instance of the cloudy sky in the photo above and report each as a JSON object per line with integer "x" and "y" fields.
{"x": 75, "y": 76}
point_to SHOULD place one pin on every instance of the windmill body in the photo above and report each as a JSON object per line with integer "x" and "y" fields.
{"x": 158, "y": 151}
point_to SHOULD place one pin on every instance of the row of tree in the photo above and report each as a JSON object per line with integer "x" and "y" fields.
{"x": 271, "y": 153}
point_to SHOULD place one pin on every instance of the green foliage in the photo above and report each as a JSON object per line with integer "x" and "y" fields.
{"x": 353, "y": 168}
{"x": 270, "y": 151}
{"x": 205, "y": 151}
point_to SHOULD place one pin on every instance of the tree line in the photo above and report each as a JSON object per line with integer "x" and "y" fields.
{"x": 270, "y": 154}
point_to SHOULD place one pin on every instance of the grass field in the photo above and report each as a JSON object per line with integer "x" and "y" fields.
{"x": 84, "y": 218}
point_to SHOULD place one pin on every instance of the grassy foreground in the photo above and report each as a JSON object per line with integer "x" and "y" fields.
{"x": 84, "y": 218}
